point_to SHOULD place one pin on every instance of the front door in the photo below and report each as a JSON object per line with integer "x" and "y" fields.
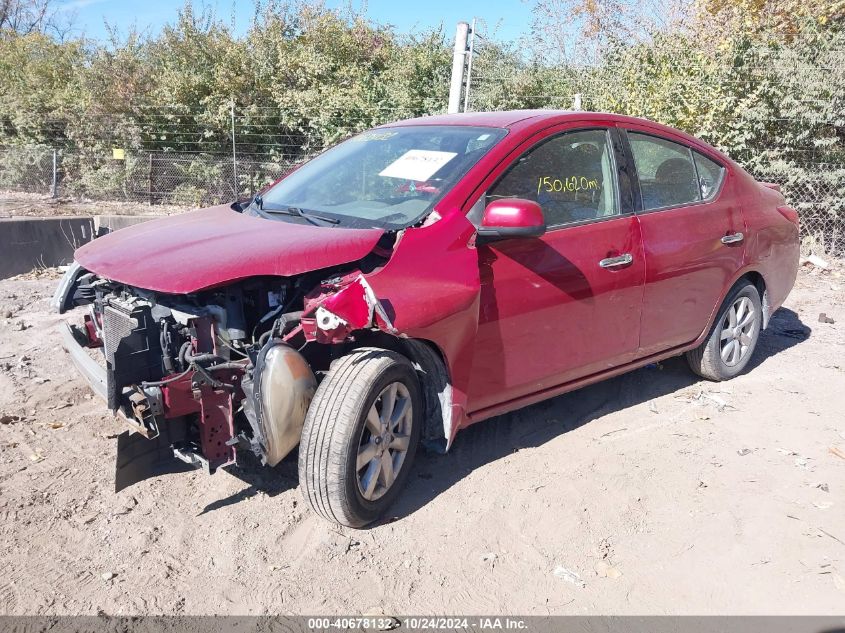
{"x": 566, "y": 305}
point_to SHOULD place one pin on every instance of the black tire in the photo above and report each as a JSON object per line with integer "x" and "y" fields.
{"x": 334, "y": 431}
{"x": 707, "y": 359}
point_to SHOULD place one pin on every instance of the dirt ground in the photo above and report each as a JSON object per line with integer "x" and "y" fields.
{"x": 652, "y": 493}
{"x": 18, "y": 204}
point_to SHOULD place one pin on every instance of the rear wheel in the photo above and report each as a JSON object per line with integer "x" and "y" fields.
{"x": 360, "y": 436}
{"x": 727, "y": 350}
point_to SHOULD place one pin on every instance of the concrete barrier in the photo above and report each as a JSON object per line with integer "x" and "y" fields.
{"x": 107, "y": 223}
{"x": 28, "y": 243}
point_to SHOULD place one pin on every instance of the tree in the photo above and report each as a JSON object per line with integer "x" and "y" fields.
{"x": 582, "y": 31}
{"x": 23, "y": 17}
{"x": 765, "y": 18}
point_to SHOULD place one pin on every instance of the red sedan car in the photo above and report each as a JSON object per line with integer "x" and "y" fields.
{"x": 421, "y": 277}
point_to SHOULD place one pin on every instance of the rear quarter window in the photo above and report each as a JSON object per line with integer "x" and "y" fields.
{"x": 710, "y": 175}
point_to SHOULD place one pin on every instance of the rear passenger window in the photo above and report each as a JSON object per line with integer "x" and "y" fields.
{"x": 571, "y": 176}
{"x": 710, "y": 175}
{"x": 666, "y": 172}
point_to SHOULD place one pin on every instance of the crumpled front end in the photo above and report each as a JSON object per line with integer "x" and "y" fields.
{"x": 202, "y": 370}
{"x": 234, "y": 367}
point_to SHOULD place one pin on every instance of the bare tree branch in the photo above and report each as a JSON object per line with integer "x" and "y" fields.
{"x": 35, "y": 16}
{"x": 578, "y": 31}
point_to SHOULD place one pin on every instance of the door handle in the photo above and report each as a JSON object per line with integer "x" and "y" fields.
{"x": 733, "y": 239}
{"x": 613, "y": 262}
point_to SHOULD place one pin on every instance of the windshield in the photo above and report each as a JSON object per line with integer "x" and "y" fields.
{"x": 387, "y": 178}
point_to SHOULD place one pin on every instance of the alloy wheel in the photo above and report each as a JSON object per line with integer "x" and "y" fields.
{"x": 738, "y": 331}
{"x": 384, "y": 442}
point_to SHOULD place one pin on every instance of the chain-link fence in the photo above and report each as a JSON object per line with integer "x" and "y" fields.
{"x": 811, "y": 182}
{"x": 153, "y": 178}
{"x": 817, "y": 192}
{"x": 29, "y": 169}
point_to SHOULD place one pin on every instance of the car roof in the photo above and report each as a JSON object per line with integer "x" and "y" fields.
{"x": 504, "y": 118}
{"x": 533, "y": 120}
{"x": 509, "y": 118}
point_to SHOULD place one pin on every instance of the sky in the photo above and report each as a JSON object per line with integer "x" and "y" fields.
{"x": 509, "y": 19}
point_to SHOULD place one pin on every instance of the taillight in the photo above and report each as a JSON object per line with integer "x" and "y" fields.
{"x": 789, "y": 213}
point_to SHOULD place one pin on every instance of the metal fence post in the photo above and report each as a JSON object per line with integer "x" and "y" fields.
{"x": 234, "y": 153}
{"x": 54, "y": 187}
{"x": 150, "y": 179}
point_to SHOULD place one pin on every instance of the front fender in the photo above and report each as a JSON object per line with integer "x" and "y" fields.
{"x": 430, "y": 290}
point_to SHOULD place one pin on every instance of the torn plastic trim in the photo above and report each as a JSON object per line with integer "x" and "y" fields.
{"x": 437, "y": 393}
{"x": 333, "y": 317}
{"x": 60, "y": 300}
{"x": 327, "y": 320}
{"x": 347, "y": 304}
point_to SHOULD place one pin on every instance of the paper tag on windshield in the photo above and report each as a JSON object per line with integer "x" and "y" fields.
{"x": 417, "y": 164}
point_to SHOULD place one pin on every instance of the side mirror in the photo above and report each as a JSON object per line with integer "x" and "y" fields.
{"x": 511, "y": 217}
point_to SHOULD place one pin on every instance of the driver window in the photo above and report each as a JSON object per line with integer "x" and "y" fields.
{"x": 571, "y": 176}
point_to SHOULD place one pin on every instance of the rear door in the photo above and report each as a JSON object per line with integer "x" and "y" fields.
{"x": 693, "y": 236}
{"x": 566, "y": 305}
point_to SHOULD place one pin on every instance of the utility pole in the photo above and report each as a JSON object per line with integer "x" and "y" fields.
{"x": 469, "y": 65}
{"x": 458, "y": 63}
{"x": 234, "y": 153}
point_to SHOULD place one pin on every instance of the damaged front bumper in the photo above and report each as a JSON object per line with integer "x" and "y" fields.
{"x": 91, "y": 370}
{"x": 139, "y": 407}
{"x": 151, "y": 410}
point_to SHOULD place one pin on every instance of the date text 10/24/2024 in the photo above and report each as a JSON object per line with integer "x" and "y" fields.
{"x": 418, "y": 623}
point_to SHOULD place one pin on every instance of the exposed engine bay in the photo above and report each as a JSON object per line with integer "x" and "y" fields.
{"x": 220, "y": 370}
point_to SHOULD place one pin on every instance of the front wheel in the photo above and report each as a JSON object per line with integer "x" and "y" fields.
{"x": 726, "y": 352}
{"x": 360, "y": 436}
